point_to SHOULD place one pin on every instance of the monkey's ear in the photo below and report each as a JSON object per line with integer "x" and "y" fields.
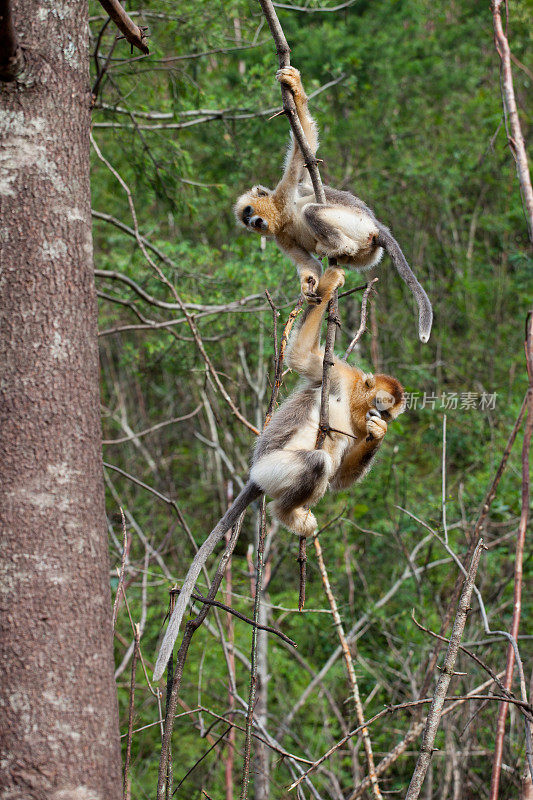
{"x": 261, "y": 191}
{"x": 370, "y": 381}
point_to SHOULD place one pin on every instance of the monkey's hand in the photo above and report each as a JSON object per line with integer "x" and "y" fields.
{"x": 290, "y": 76}
{"x": 376, "y": 428}
{"x": 333, "y": 278}
{"x": 309, "y": 286}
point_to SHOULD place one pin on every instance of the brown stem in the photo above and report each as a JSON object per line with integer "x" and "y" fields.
{"x": 362, "y": 324}
{"x": 253, "y": 656}
{"x": 134, "y": 35}
{"x": 478, "y": 528}
{"x": 283, "y": 50}
{"x": 435, "y": 712}
{"x": 278, "y": 376}
{"x": 190, "y": 629}
{"x": 515, "y": 138}
{"x": 11, "y": 56}
{"x": 351, "y": 672}
{"x": 253, "y": 623}
{"x": 519, "y": 558}
{"x": 230, "y": 757}
{"x": 120, "y": 586}
{"x": 302, "y": 561}
{"x": 333, "y": 317}
{"x": 136, "y": 635}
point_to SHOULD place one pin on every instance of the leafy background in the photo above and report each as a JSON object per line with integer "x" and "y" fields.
{"x": 413, "y": 126}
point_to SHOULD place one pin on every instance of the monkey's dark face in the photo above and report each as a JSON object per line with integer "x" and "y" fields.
{"x": 253, "y": 220}
{"x": 256, "y": 211}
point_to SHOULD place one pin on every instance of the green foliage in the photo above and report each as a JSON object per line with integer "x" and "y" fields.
{"x": 414, "y": 128}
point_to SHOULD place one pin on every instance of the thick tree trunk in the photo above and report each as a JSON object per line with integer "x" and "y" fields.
{"x": 58, "y": 717}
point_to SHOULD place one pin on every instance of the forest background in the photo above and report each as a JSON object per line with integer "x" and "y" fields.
{"x": 407, "y": 99}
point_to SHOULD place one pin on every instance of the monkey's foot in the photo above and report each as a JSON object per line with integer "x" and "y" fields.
{"x": 300, "y": 521}
{"x": 290, "y": 76}
{"x": 309, "y": 284}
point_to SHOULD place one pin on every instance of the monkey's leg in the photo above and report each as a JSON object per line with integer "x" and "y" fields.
{"x": 298, "y": 520}
{"x": 294, "y": 478}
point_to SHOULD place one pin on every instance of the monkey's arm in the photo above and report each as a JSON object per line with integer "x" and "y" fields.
{"x": 358, "y": 459}
{"x": 309, "y": 268}
{"x": 246, "y": 496}
{"x": 304, "y": 353}
{"x": 294, "y": 164}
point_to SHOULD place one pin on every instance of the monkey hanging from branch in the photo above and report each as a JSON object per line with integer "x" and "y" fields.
{"x": 285, "y": 464}
{"x": 344, "y": 228}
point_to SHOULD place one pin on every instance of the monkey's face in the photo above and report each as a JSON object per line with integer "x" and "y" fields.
{"x": 376, "y": 395}
{"x": 256, "y": 211}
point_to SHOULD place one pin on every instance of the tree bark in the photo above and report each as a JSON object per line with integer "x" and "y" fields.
{"x": 58, "y": 718}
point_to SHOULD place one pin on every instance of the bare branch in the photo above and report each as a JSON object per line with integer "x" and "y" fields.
{"x": 445, "y": 676}
{"x": 242, "y": 617}
{"x": 519, "y": 559}
{"x": 367, "y": 744}
{"x": 514, "y": 135}
{"x": 135, "y": 35}
{"x": 362, "y": 325}
{"x": 153, "y": 428}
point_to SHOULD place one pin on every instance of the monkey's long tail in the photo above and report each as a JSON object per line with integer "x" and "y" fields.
{"x": 247, "y": 495}
{"x": 425, "y": 311}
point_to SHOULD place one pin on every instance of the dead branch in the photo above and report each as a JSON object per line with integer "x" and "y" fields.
{"x": 244, "y": 618}
{"x": 212, "y": 373}
{"x": 253, "y": 656}
{"x": 125, "y": 548}
{"x": 512, "y": 120}
{"x": 153, "y": 428}
{"x": 134, "y": 34}
{"x": 454, "y": 701}
{"x": 367, "y": 744}
{"x": 519, "y": 558}
{"x": 126, "y": 788}
{"x": 445, "y": 677}
{"x": 362, "y": 325}
{"x": 190, "y": 629}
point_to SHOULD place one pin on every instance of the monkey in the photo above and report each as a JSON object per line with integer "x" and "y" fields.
{"x": 285, "y": 464}
{"x": 344, "y": 229}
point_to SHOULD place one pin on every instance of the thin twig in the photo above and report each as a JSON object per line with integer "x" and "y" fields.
{"x": 278, "y": 377}
{"x": 367, "y": 744}
{"x": 190, "y": 629}
{"x": 514, "y": 135}
{"x": 302, "y": 561}
{"x": 253, "y": 656}
{"x": 362, "y": 325}
{"x": 242, "y": 617}
{"x": 136, "y": 635}
{"x": 121, "y": 570}
{"x": 435, "y": 712}
{"x": 519, "y": 558}
{"x": 153, "y": 428}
